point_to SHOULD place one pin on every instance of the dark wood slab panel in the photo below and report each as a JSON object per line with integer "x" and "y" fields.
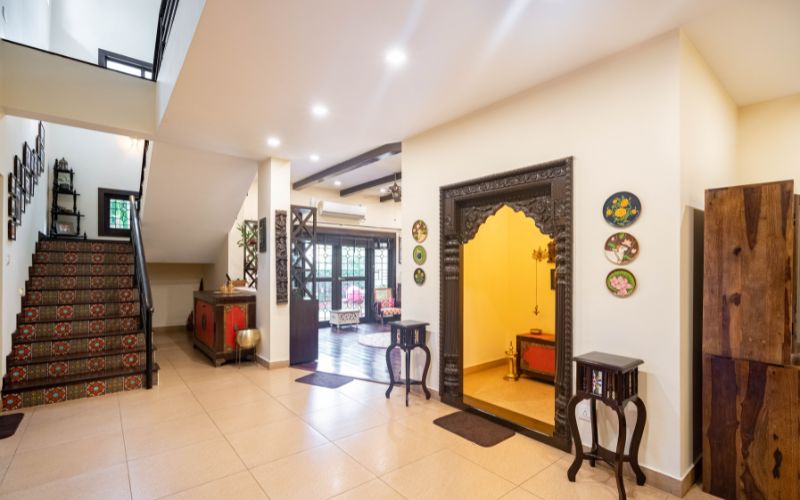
{"x": 748, "y": 288}
{"x": 751, "y": 429}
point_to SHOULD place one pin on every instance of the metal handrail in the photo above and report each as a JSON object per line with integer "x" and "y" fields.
{"x": 145, "y": 294}
{"x": 166, "y": 16}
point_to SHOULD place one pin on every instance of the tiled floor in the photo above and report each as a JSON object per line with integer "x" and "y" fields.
{"x": 524, "y": 396}
{"x": 340, "y": 353}
{"x": 253, "y": 433}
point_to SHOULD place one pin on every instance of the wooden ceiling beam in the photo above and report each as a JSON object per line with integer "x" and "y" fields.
{"x": 359, "y": 161}
{"x": 370, "y": 184}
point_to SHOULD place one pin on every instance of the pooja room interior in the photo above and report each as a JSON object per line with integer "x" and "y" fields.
{"x": 460, "y": 195}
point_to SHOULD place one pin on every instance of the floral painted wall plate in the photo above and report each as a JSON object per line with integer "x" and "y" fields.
{"x": 622, "y": 209}
{"x": 621, "y": 283}
{"x": 622, "y": 248}
{"x": 419, "y": 276}
{"x": 420, "y": 255}
{"x": 419, "y": 231}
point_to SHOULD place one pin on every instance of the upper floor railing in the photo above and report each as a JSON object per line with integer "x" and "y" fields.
{"x": 166, "y": 16}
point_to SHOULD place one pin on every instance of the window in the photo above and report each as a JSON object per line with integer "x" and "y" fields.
{"x": 124, "y": 64}
{"x": 114, "y": 212}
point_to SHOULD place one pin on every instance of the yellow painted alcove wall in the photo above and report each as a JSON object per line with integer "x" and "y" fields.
{"x": 500, "y": 286}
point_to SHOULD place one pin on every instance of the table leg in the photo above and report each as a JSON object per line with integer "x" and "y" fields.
{"x": 593, "y": 420}
{"x": 576, "y": 437}
{"x": 408, "y": 374}
{"x": 620, "y": 451}
{"x": 425, "y": 371}
{"x": 389, "y": 367}
{"x": 636, "y": 439}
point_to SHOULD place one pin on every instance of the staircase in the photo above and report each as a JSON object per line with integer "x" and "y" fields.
{"x": 80, "y": 333}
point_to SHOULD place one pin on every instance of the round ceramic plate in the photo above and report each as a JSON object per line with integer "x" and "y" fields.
{"x": 419, "y": 231}
{"x": 622, "y": 248}
{"x": 622, "y": 209}
{"x": 420, "y": 255}
{"x": 621, "y": 283}
{"x": 419, "y": 276}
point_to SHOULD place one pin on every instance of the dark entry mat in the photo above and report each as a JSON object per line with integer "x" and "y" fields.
{"x": 9, "y": 424}
{"x": 474, "y": 428}
{"x": 328, "y": 380}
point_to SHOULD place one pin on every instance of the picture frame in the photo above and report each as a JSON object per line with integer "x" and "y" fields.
{"x": 12, "y": 183}
{"x": 65, "y": 228}
{"x": 12, "y": 230}
{"x": 27, "y": 153}
{"x": 17, "y": 169}
{"x": 20, "y": 204}
{"x": 35, "y": 169}
{"x": 40, "y": 137}
{"x": 12, "y": 206}
{"x": 25, "y": 198}
{"x": 262, "y": 235}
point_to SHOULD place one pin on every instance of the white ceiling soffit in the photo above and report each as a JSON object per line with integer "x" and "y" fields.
{"x": 753, "y": 47}
{"x": 191, "y": 202}
{"x": 255, "y": 67}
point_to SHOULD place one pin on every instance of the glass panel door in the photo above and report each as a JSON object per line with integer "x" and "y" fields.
{"x": 354, "y": 278}
{"x": 325, "y": 281}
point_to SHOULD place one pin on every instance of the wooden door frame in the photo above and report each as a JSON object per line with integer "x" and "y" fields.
{"x": 544, "y": 193}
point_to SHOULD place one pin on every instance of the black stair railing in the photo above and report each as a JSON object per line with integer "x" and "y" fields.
{"x": 166, "y": 16}
{"x": 138, "y": 204}
{"x": 145, "y": 295}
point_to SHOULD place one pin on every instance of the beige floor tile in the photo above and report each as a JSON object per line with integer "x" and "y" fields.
{"x": 279, "y": 382}
{"x": 345, "y": 419}
{"x": 318, "y": 398}
{"x": 520, "y": 494}
{"x": 275, "y": 440}
{"x": 326, "y": 471}
{"x": 247, "y": 416}
{"x": 43, "y": 465}
{"x": 446, "y": 475}
{"x": 61, "y": 411}
{"x": 94, "y": 420}
{"x": 525, "y": 396}
{"x": 387, "y": 448}
{"x": 695, "y": 493}
{"x": 168, "y": 435}
{"x": 240, "y": 486}
{"x": 99, "y": 484}
{"x": 135, "y": 398}
{"x": 10, "y": 444}
{"x": 363, "y": 391}
{"x": 160, "y": 410}
{"x": 231, "y": 396}
{"x": 183, "y": 468}
{"x": 516, "y": 459}
{"x": 218, "y": 383}
{"x": 373, "y": 490}
{"x": 596, "y": 483}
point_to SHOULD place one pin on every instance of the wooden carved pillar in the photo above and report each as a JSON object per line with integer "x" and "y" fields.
{"x": 281, "y": 259}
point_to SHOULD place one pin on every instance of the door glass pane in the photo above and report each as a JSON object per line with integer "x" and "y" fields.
{"x": 324, "y": 298}
{"x": 381, "y": 267}
{"x": 354, "y": 261}
{"x": 324, "y": 261}
{"x": 354, "y": 296}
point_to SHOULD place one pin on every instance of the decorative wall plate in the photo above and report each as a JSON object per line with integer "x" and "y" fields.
{"x": 622, "y": 209}
{"x": 622, "y": 248}
{"x": 420, "y": 255}
{"x": 621, "y": 283}
{"x": 419, "y": 276}
{"x": 419, "y": 231}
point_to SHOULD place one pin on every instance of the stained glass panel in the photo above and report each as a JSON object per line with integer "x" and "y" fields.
{"x": 324, "y": 261}
{"x": 381, "y": 268}
{"x": 119, "y": 214}
{"x": 354, "y": 261}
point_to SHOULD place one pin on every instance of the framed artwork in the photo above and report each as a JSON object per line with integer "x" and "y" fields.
{"x": 35, "y": 169}
{"x": 12, "y": 183}
{"x": 26, "y": 155}
{"x": 29, "y": 176}
{"x": 420, "y": 255}
{"x": 17, "y": 168}
{"x": 12, "y": 205}
{"x": 19, "y": 204}
{"x": 419, "y": 276}
{"x": 12, "y": 230}
{"x": 23, "y": 181}
{"x": 40, "y": 137}
{"x": 622, "y": 209}
{"x": 419, "y": 231}
{"x": 262, "y": 235}
{"x": 621, "y": 283}
{"x": 65, "y": 228}
{"x": 622, "y": 248}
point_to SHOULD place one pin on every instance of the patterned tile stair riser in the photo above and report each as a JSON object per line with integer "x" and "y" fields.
{"x": 82, "y": 270}
{"x": 78, "y": 282}
{"x": 69, "y": 329}
{"x": 56, "y": 348}
{"x": 70, "y": 391}
{"x": 84, "y": 246}
{"x": 82, "y": 258}
{"x": 59, "y": 369}
{"x": 77, "y": 312}
{"x": 66, "y": 297}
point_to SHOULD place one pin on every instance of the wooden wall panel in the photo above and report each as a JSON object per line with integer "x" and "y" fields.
{"x": 748, "y": 288}
{"x": 751, "y": 429}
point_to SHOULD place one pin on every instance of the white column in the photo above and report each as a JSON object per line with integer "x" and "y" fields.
{"x": 274, "y": 188}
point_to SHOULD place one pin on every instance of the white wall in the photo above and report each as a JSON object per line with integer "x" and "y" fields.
{"x": 18, "y": 255}
{"x": 249, "y": 211}
{"x": 26, "y": 22}
{"x": 173, "y": 287}
{"x": 619, "y": 118}
{"x": 100, "y": 160}
{"x": 78, "y": 28}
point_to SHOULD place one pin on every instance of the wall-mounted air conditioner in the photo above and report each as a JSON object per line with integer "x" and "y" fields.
{"x": 342, "y": 210}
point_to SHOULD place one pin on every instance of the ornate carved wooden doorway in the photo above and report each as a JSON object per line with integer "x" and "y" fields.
{"x": 544, "y": 193}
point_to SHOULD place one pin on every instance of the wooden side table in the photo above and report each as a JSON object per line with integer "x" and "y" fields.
{"x": 407, "y": 335}
{"x": 613, "y": 380}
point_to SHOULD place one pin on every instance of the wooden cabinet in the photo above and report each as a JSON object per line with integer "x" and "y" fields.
{"x": 536, "y": 356}
{"x": 751, "y": 390}
{"x": 217, "y": 318}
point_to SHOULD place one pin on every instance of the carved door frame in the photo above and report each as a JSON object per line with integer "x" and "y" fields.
{"x": 544, "y": 193}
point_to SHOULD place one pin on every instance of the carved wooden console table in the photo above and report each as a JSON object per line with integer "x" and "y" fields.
{"x": 407, "y": 335}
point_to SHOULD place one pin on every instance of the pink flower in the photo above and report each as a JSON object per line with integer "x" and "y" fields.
{"x": 621, "y": 285}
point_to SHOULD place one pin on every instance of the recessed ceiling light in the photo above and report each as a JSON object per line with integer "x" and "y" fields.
{"x": 319, "y": 110}
{"x": 337, "y": 183}
{"x": 383, "y": 190}
{"x": 273, "y": 142}
{"x": 396, "y": 57}
{"x": 314, "y": 157}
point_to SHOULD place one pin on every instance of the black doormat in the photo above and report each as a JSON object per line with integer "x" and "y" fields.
{"x": 9, "y": 424}
{"x": 474, "y": 428}
{"x": 328, "y": 380}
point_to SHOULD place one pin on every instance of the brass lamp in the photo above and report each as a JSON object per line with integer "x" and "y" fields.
{"x": 246, "y": 339}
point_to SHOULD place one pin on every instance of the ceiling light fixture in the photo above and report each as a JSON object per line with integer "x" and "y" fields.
{"x": 273, "y": 142}
{"x": 337, "y": 183}
{"x": 396, "y": 57}
{"x": 319, "y": 110}
{"x": 383, "y": 190}
{"x": 314, "y": 157}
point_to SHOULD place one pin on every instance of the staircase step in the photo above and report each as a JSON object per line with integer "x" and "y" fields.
{"x": 75, "y": 387}
{"x": 79, "y": 312}
{"x": 78, "y": 283}
{"x": 51, "y": 350}
{"x": 95, "y": 246}
{"x": 56, "y": 370}
{"x": 67, "y": 270}
{"x": 82, "y": 258}
{"x": 74, "y": 329}
{"x": 75, "y": 297}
